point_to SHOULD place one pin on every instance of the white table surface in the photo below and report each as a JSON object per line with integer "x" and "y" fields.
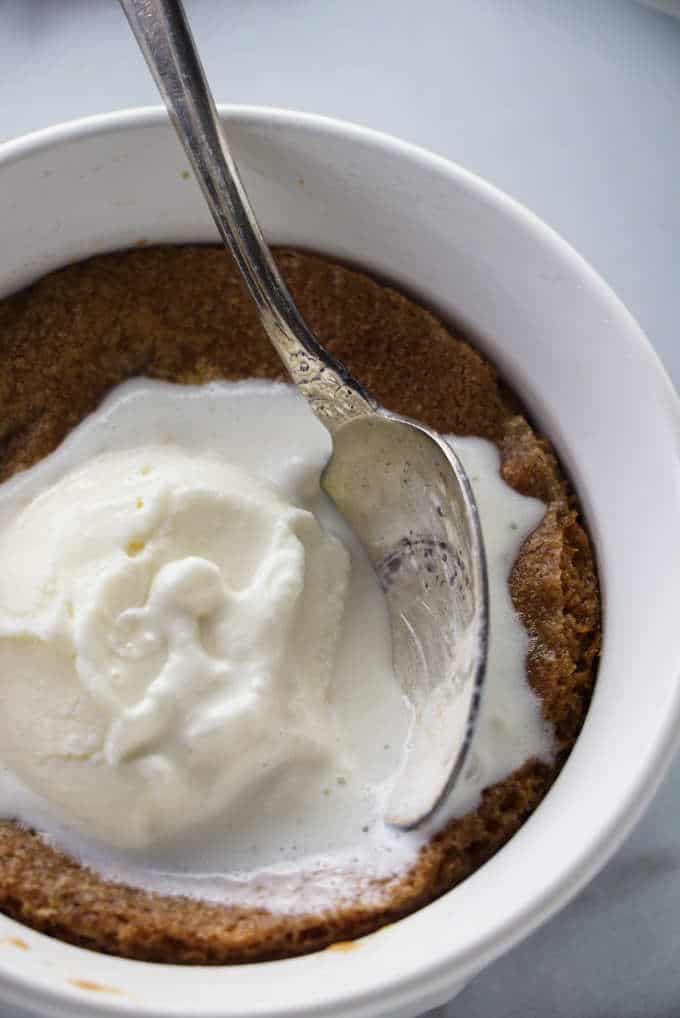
{"x": 571, "y": 106}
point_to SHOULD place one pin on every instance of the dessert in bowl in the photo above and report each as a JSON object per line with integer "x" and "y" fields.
{"x": 140, "y": 313}
{"x": 209, "y": 658}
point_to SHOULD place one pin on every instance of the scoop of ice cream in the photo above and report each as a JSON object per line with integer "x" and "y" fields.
{"x": 168, "y": 626}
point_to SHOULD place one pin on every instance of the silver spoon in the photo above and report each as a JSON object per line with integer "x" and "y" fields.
{"x": 398, "y": 483}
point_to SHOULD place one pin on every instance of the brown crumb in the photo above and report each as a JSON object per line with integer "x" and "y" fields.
{"x": 181, "y": 314}
{"x": 87, "y": 984}
{"x": 343, "y": 946}
{"x": 16, "y": 942}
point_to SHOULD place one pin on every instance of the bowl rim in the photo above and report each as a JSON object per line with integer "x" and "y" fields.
{"x": 436, "y": 975}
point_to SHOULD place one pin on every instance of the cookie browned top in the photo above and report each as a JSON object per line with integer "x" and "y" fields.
{"x": 181, "y": 314}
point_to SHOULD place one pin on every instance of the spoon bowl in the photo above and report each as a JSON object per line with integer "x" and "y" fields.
{"x": 404, "y": 492}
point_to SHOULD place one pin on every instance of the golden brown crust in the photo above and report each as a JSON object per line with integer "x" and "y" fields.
{"x": 181, "y": 314}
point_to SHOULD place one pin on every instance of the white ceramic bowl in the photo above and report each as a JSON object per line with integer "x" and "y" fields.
{"x": 591, "y": 382}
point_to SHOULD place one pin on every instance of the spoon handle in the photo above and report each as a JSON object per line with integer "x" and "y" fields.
{"x": 165, "y": 39}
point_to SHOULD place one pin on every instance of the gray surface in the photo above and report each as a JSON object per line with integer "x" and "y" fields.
{"x": 573, "y": 107}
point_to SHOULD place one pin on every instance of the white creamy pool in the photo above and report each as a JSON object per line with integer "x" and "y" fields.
{"x": 196, "y": 680}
